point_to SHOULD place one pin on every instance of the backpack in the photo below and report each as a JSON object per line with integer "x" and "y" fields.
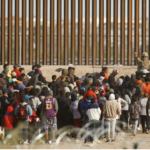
{"x": 134, "y": 111}
{"x": 22, "y": 113}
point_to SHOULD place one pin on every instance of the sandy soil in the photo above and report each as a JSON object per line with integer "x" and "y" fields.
{"x": 48, "y": 71}
{"x": 122, "y": 142}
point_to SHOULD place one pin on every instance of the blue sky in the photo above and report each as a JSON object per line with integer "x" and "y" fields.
{"x": 34, "y": 11}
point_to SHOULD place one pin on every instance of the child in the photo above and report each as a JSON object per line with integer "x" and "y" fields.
{"x": 134, "y": 110}
{"x": 94, "y": 113}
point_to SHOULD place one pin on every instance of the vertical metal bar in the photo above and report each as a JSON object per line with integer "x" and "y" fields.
{"x": 94, "y": 31}
{"x": 45, "y": 31}
{"x": 52, "y": 33}
{"x": 73, "y": 31}
{"x": 149, "y": 30}
{"x": 31, "y": 31}
{"x": 87, "y": 2}
{"x": 137, "y": 27}
{"x": 122, "y": 32}
{"x": 108, "y": 32}
{"x": 58, "y": 30}
{"x": 24, "y": 32}
{"x": 101, "y": 31}
{"x": 115, "y": 49}
{"x": 37, "y": 31}
{"x": 17, "y": 31}
{"x": 10, "y": 32}
{"x": 129, "y": 52}
{"x": 66, "y": 32}
{"x": 143, "y": 25}
{"x": 80, "y": 32}
{"x": 2, "y": 32}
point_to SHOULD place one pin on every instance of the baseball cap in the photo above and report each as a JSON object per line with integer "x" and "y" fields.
{"x": 115, "y": 71}
{"x": 14, "y": 80}
{"x": 27, "y": 97}
{"x": 5, "y": 71}
{"x": 14, "y": 74}
{"x": 144, "y": 54}
{"x": 16, "y": 66}
{"x": 145, "y": 71}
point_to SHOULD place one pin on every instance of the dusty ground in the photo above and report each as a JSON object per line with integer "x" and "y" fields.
{"x": 122, "y": 142}
{"x": 48, "y": 71}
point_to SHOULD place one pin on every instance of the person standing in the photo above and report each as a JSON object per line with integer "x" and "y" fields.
{"x": 111, "y": 110}
{"x": 134, "y": 110}
{"x": 111, "y": 79}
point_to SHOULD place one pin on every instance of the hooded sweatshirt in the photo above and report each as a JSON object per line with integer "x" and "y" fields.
{"x": 143, "y": 103}
{"x": 9, "y": 118}
{"x": 74, "y": 109}
{"x": 89, "y": 94}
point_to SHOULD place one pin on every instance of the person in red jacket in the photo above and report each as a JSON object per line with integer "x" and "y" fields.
{"x": 89, "y": 93}
{"x": 16, "y": 69}
{"x": 8, "y": 120}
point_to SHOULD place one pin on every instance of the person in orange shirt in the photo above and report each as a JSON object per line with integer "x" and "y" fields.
{"x": 146, "y": 86}
{"x": 105, "y": 70}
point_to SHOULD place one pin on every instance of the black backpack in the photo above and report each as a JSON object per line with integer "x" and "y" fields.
{"x": 22, "y": 113}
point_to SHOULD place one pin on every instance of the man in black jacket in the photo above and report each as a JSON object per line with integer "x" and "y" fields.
{"x": 111, "y": 78}
{"x": 63, "y": 111}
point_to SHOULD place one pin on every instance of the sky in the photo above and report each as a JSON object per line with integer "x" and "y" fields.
{"x": 69, "y": 14}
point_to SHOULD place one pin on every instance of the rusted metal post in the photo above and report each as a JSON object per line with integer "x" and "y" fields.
{"x": 137, "y": 27}
{"x": 10, "y": 32}
{"x": 31, "y": 31}
{"x": 80, "y": 32}
{"x": 52, "y": 33}
{"x": 45, "y": 32}
{"x": 17, "y": 31}
{"x": 37, "y": 31}
{"x": 143, "y": 25}
{"x": 73, "y": 31}
{"x": 2, "y": 32}
{"x": 115, "y": 48}
{"x": 129, "y": 52}
{"x": 24, "y": 32}
{"x": 58, "y": 31}
{"x": 101, "y": 31}
{"x": 66, "y": 33}
{"x": 87, "y": 2}
{"x": 108, "y": 32}
{"x": 122, "y": 32}
{"x": 94, "y": 31}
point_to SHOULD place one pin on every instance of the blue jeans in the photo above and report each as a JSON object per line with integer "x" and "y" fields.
{"x": 102, "y": 127}
{"x": 95, "y": 125}
{"x": 87, "y": 139}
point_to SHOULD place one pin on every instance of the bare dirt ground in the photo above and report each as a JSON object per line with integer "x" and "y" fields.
{"x": 48, "y": 71}
{"x": 126, "y": 141}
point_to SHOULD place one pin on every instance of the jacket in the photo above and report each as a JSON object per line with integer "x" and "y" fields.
{"x": 34, "y": 117}
{"x": 134, "y": 110}
{"x": 143, "y": 103}
{"x": 85, "y": 105}
{"x": 64, "y": 106}
{"x": 28, "y": 107}
{"x": 106, "y": 76}
{"x": 139, "y": 83}
{"x": 74, "y": 109}
{"x": 33, "y": 81}
{"x": 111, "y": 81}
{"x": 122, "y": 102}
{"x": 35, "y": 102}
{"x": 146, "y": 87}
{"x": 89, "y": 94}
{"x": 20, "y": 85}
{"x": 148, "y": 108}
{"x": 111, "y": 109}
{"x": 2, "y": 84}
{"x": 93, "y": 112}
{"x": 9, "y": 120}
{"x": 128, "y": 101}
{"x": 17, "y": 72}
{"x": 103, "y": 100}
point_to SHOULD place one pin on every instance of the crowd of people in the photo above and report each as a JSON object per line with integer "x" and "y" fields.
{"x": 100, "y": 99}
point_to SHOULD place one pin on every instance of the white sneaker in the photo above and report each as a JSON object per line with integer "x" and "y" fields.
{"x": 138, "y": 128}
{"x": 26, "y": 142}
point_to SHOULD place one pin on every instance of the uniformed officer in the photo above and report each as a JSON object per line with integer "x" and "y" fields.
{"x": 143, "y": 63}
